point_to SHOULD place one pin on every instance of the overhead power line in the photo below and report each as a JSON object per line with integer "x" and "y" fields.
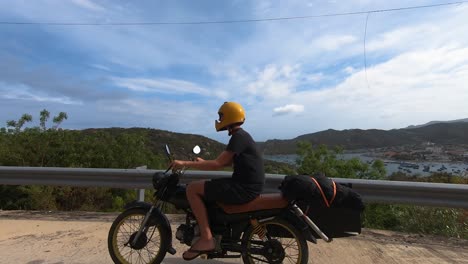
{"x": 365, "y": 52}
{"x": 228, "y": 21}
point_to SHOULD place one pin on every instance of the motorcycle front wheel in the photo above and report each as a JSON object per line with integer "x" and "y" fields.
{"x": 151, "y": 247}
{"x": 274, "y": 241}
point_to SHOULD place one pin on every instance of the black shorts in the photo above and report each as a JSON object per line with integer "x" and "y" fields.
{"x": 230, "y": 192}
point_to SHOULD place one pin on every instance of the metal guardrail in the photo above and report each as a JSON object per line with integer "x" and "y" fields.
{"x": 415, "y": 193}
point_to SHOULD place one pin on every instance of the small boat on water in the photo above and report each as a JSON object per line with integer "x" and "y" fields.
{"x": 441, "y": 168}
{"x": 409, "y": 165}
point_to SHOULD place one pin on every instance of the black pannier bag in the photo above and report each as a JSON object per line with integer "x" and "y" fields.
{"x": 335, "y": 208}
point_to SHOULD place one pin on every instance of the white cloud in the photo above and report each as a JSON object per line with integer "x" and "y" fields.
{"x": 349, "y": 70}
{"x": 221, "y": 94}
{"x": 100, "y": 67}
{"x": 161, "y": 85}
{"x": 434, "y": 28}
{"x": 414, "y": 86}
{"x": 88, "y": 4}
{"x": 288, "y": 109}
{"x": 22, "y": 92}
{"x": 334, "y": 42}
{"x": 273, "y": 82}
{"x": 313, "y": 78}
{"x": 408, "y": 36}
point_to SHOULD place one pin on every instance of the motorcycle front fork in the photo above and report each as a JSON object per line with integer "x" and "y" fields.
{"x": 143, "y": 227}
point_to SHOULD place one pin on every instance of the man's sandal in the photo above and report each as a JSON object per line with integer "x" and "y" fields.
{"x": 198, "y": 253}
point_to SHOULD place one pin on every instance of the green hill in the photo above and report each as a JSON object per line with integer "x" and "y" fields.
{"x": 181, "y": 145}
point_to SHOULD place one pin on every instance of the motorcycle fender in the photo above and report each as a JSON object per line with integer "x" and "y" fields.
{"x": 156, "y": 214}
{"x": 300, "y": 225}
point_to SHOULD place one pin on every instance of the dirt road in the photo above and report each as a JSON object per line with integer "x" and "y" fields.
{"x": 81, "y": 237}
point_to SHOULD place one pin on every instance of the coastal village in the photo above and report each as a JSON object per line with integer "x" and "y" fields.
{"x": 426, "y": 157}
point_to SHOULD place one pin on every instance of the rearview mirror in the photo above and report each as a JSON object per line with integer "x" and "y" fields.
{"x": 168, "y": 151}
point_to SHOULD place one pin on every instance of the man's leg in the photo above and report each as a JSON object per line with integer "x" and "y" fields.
{"x": 195, "y": 192}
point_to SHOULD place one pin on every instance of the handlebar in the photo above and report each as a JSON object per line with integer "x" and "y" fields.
{"x": 196, "y": 150}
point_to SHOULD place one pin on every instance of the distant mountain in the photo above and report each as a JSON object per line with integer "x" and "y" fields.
{"x": 352, "y": 139}
{"x": 438, "y": 122}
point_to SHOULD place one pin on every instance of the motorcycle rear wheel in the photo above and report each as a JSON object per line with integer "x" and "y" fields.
{"x": 151, "y": 248}
{"x": 284, "y": 239}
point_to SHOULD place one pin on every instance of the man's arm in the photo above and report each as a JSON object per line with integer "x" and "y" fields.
{"x": 224, "y": 159}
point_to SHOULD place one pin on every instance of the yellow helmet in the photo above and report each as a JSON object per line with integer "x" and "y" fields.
{"x": 230, "y": 113}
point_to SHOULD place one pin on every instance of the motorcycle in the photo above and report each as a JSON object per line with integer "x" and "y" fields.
{"x": 268, "y": 229}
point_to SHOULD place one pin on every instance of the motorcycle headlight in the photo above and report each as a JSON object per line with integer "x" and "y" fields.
{"x": 157, "y": 177}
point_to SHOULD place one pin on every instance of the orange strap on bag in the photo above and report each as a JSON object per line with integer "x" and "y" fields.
{"x": 328, "y": 203}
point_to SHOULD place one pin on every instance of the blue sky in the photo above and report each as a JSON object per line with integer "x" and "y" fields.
{"x": 292, "y": 76}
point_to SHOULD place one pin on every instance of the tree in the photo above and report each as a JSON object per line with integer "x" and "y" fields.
{"x": 59, "y": 119}
{"x": 17, "y": 125}
{"x": 321, "y": 159}
{"x": 44, "y": 117}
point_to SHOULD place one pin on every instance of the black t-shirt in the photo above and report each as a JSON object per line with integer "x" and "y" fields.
{"x": 248, "y": 163}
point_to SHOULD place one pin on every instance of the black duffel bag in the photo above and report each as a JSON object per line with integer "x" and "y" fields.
{"x": 334, "y": 207}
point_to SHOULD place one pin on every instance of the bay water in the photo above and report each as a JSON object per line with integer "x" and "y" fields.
{"x": 425, "y": 168}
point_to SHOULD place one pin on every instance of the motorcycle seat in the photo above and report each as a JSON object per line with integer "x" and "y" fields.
{"x": 262, "y": 202}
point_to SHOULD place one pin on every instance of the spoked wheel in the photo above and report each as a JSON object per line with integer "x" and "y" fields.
{"x": 151, "y": 247}
{"x": 283, "y": 244}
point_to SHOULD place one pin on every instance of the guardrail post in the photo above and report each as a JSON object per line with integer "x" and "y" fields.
{"x": 141, "y": 195}
{"x": 141, "y": 192}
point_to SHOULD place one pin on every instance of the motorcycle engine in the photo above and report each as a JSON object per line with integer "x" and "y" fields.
{"x": 187, "y": 234}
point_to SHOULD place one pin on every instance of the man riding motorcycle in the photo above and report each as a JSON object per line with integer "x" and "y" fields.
{"x": 245, "y": 184}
